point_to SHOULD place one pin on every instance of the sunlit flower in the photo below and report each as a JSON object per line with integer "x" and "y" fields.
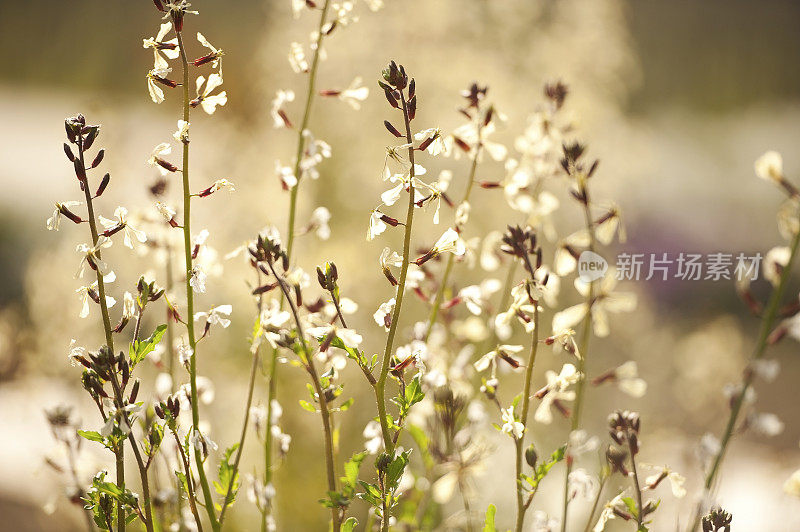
{"x": 676, "y": 481}
{"x": 91, "y": 256}
{"x": 387, "y": 260}
{"x": 581, "y": 484}
{"x": 297, "y": 58}
{"x": 433, "y": 140}
{"x": 775, "y": 261}
{"x": 501, "y": 351}
{"x": 155, "y": 78}
{"x": 121, "y": 223}
{"x": 610, "y": 511}
{"x": 62, "y": 209}
{"x": 315, "y": 150}
{"x": 118, "y": 417}
{"x": 605, "y": 300}
{"x": 373, "y": 436}
{"x": 555, "y": 390}
{"x": 216, "y": 316}
{"x": 162, "y": 50}
{"x": 182, "y": 133}
{"x": 157, "y": 159}
{"x": 354, "y": 94}
{"x": 765, "y": 424}
{"x": 90, "y": 292}
{"x": 198, "y": 280}
{"x": 511, "y": 425}
{"x": 376, "y": 224}
{"x": 201, "y": 442}
{"x": 319, "y": 223}
{"x": 476, "y": 297}
{"x": 214, "y": 56}
{"x": 383, "y": 315}
{"x": 449, "y": 242}
{"x": 204, "y": 97}
{"x": 626, "y": 377}
{"x": 279, "y": 117}
{"x": 770, "y": 167}
{"x": 75, "y": 352}
{"x": 272, "y": 318}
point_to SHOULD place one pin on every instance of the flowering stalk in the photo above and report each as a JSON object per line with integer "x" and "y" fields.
{"x": 177, "y": 24}
{"x": 187, "y": 471}
{"x": 119, "y": 400}
{"x": 767, "y": 323}
{"x": 320, "y": 392}
{"x": 583, "y": 345}
{"x": 522, "y": 507}
{"x": 380, "y": 386}
{"x": 437, "y": 302}
{"x": 301, "y": 140}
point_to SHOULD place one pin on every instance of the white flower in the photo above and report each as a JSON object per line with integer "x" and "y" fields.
{"x": 204, "y": 97}
{"x": 162, "y": 50}
{"x": 131, "y": 233}
{"x": 272, "y": 319}
{"x": 604, "y": 301}
{"x": 770, "y": 166}
{"x": 490, "y": 358}
{"x": 555, "y": 390}
{"x": 354, "y": 94}
{"x": 676, "y": 481}
{"x": 579, "y": 443}
{"x": 297, "y": 7}
{"x": 216, "y": 316}
{"x": 775, "y": 261}
{"x": 75, "y": 351}
{"x": 166, "y": 211}
{"x": 279, "y": 117}
{"x": 182, "y": 133}
{"x": 201, "y": 442}
{"x": 286, "y": 175}
{"x": 198, "y": 280}
{"x": 54, "y": 222}
{"x": 297, "y": 58}
{"x": 511, "y": 425}
{"x": 213, "y": 57}
{"x": 765, "y": 423}
{"x": 489, "y": 260}
{"x": 582, "y": 484}
{"x": 157, "y": 158}
{"x": 185, "y": 353}
{"x": 766, "y": 369}
{"x": 118, "y": 417}
{"x": 388, "y": 259}
{"x": 128, "y": 306}
{"x": 314, "y": 152}
{"x": 319, "y": 222}
{"x": 435, "y": 146}
{"x": 383, "y": 315}
{"x": 475, "y": 297}
{"x": 609, "y": 512}
{"x": 154, "y": 77}
{"x": 87, "y": 292}
{"x": 91, "y": 255}
{"x": 628, "y": 379}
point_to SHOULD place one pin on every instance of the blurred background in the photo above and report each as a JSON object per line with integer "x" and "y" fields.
{"x": 676, "y": 98}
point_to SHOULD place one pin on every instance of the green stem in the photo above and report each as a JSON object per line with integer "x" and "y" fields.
{"x": 325, "y": 413}
{"x": 583, "y": 348}
{"x": 380, "y": 386}
{"x": 526, "y": 400}
{"x": 273, "y": 365}
{"x": 767, "y": 323}
{"x": 637, "y": 487}
{"x": 603, "y": 480}
{"x": 187, "y": 249}
{"x": 437, "y": 302}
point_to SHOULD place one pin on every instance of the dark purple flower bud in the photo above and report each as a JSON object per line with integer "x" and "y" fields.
{"x": 393, "y": 130}
{"x": 68, "y": 152}
{"x": 103, "y": 185}
{"x": 98, "y": 158}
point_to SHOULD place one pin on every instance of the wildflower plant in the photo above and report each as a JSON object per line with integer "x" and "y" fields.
{"x": 461, "y": 351}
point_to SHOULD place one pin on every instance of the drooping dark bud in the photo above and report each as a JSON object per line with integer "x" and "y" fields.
{"x": 390, "y": 98}
{"x": 68, "y": 152}
{"x": 159, "y": 5}
{"x": 80, "y": 171}
{"x": 103, "y": 185}
{"x": 393, "y": 130}
{"x": 412, "y": 88}
{"x": 91, "y": 135}
{"x": 98, "y": 158}
{"x": 134, "y": 392}
{"x": 412, "y": 108}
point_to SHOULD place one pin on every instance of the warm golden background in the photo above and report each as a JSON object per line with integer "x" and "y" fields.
{"x": 676, "y": 98}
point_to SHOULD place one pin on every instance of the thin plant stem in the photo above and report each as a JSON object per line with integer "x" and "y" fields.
{"x": 636, "y": 487}
{"x": 119, "y": 452}
{"x": 187, "y": 246}
{"x": 380, "y": 386}
{"x": 596, "y": 502}
{"x": 323, "y": 402}
{"x": 437, "y": 302}
{"x": 187, "y": 470}
{"x": 272, "y": 385}
{"x": 526, "y": 400}
{"x": 465, "y": 502}
{"x": 767, "y": 323}
{"x": 583, "y": 348}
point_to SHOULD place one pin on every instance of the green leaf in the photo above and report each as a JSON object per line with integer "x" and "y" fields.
{"x": 307, "y": 406}
{"x": 349, "y": 525}
{"x": 396, "y": 468}
{"x": 140, "y": 348}
{"x": 344, "y": 407}
{"x": 228, "y": 477}
{"x": 488, "y": 524}
{"x": 631, "y": 504}
{"x": 91, "y": 435}
{"x": 351, "y": 469}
